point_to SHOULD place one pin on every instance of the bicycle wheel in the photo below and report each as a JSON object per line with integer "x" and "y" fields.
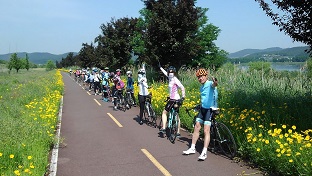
{"x": 130, "y": 101}
{"x": 173, "y": 129}
{"x": 226, "y": 140}
{"x": 153, "y": 117}
{"x": 123, "y": 103}
{"x": 145, "y": 113}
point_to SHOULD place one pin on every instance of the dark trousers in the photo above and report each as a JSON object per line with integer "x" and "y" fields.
{"x": 97, "y": 86}
{"x": 142, "y": 100}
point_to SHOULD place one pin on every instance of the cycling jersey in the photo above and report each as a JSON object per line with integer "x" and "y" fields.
{"x": 208, "y": 97}
{"x": 174, "y": 84}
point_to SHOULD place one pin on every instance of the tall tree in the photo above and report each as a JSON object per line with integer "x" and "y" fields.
{"x": 87, "y": 56}
{"x": 27, "y": 64}
{"x": 293, "y": 17}
{"x": 208, "y": 54}
{"x": 114, "y": 44}
{"x": 171, "y": 32}
{"x": 15, "y": 62}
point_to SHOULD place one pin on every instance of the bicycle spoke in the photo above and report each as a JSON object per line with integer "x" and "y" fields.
{"x": 226, "y": 140}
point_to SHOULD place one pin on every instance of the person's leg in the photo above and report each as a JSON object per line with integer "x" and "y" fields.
{"x": 195, "y": 137}
{"x": 142, "y": 103}
{"x": 133, "y": 98}
{"x": 203, "y": 154}
{"x": 115, "y": 92}
{"x": 164, "y": 119}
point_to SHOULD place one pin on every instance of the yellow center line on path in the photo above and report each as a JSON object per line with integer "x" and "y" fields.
{"x": 156, "y": 163}
{"x": 97, "y": 102}
{"x": 116, "y": 121}
{"x": 88, "y": 93}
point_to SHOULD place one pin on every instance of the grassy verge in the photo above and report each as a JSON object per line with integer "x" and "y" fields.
{"x": 29, "y": 105}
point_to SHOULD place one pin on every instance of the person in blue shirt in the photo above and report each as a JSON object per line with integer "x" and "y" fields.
{"x": 208, "y": 97}
{"x": 105, "y": 84}
{"x": 130, "y": 87}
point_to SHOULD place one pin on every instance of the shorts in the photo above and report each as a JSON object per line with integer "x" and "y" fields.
{"x": 204, "y": 116}
{"x": 169, "y": 105}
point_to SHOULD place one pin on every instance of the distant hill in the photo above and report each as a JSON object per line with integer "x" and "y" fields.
{"x": 295, "y": 51}
{"x": 36, "y": 57}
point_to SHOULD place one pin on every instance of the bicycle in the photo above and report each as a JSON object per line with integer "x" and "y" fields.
{"x": 121, "y": 104}
{"x": 128, "y": 98}
{"x": 221, "y": 137}
{"x": 149, "y": 114}
{"x": 173, "y": 121}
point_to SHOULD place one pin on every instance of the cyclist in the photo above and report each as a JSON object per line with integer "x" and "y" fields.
{"x": 174, "y": 84}
{"x": 97, "y": 82}
{"x": 70, "y": 71}
{"x": 105, "y": 84}
{"x": 143, "y": 92}
{"x": 130, "y": 87}
{"x": 118, "y": 87}
{"x": 208, "y": 100}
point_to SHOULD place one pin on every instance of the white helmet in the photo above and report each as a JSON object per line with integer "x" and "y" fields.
{"x": 129, "y": 72}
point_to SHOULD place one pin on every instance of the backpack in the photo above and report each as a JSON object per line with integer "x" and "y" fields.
{"x": 120, "y": 85}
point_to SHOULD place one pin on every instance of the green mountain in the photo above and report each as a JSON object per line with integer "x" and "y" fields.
{"x": 256, "y": 53}
{"x": 36, "y": 57}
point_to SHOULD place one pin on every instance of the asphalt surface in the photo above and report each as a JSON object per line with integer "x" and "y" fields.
{"x": 96, "y": 140}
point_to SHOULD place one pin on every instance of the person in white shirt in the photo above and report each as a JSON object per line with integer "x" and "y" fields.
{"x": 143, "y": 92}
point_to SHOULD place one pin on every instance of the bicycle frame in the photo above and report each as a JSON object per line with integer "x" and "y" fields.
{"x": 173, "y": 121}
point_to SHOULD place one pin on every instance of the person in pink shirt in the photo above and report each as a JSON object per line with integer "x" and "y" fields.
{"x": 173, "y": 85}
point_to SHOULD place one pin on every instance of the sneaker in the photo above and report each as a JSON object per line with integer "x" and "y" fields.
{"x": 202, "y": 156}
{"x": 178, "y": 135}
{"x": 189, "y": 151}
{"x": 115, "y": 108}
{"x": 162, "y": 130}
{"x": 141, "y": 122}
{"x": 134, "y": 105}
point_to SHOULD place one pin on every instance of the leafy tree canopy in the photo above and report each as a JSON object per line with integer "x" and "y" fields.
{"x": 293, "y": 17}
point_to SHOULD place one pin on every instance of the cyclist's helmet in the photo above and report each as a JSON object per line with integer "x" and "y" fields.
{"x": 106, "y": 68}
{"x": 118, "y": 72}
{"x": 112, "y": 75}
{"x": 201, "y": 72}
{"x": 171, "y": 69}
{"x": 129, "y": 72}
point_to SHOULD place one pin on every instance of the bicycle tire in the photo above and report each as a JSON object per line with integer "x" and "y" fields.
{"x": 226, "y": 140}
{"x": 123, "y": 103}
{"x": 130, "y": 100}
{"x": 145, "y": 113}
{"x": 173, "y": 130}
{"x": 152, "y": 116}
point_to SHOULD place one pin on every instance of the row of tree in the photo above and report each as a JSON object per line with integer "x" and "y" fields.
{"x": 18, "y": 63}
{"x": 23, "y": 63}
{"x": 168, "y": 32}
{"x": 173, "y": 32}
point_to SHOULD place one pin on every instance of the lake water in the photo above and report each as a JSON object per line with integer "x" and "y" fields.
{"x": 281, "y": 66}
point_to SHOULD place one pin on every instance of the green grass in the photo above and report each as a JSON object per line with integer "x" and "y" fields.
{"x": 29, "y": 105}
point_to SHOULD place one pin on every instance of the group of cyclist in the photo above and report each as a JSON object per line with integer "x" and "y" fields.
{"x": 208, "y": 93}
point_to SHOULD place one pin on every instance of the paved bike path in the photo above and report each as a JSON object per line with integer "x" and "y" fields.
{"x": 94, "y": 143}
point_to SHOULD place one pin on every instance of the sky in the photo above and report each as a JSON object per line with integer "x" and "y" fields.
{"x": 61, "y": 26}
